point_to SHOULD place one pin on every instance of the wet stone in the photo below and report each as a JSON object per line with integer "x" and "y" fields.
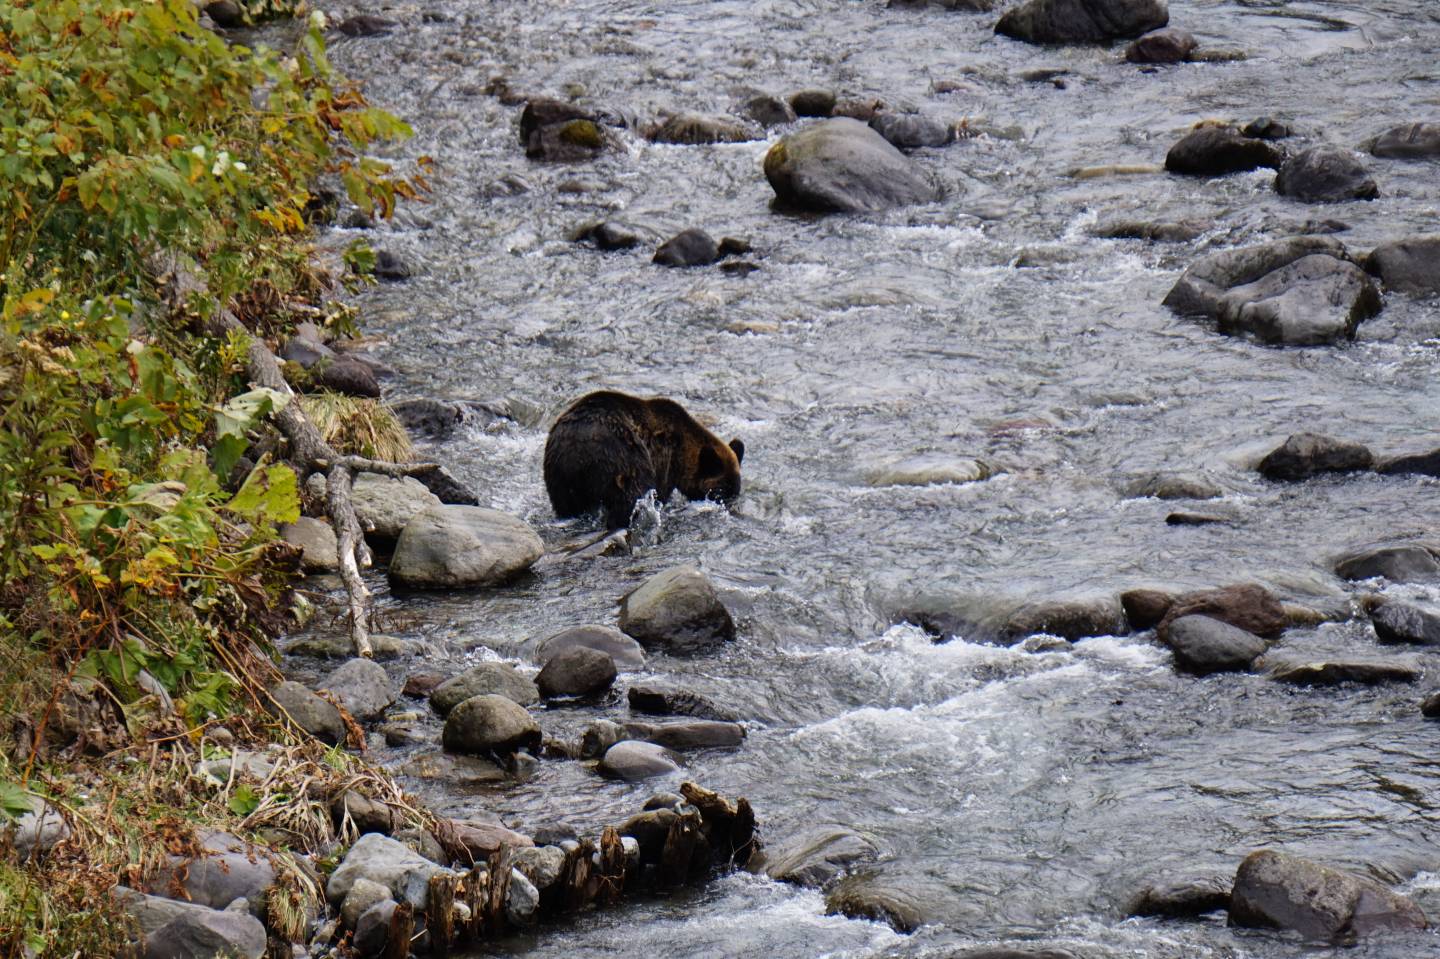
{"x": 670, "y": 701}
{"x": 1397, "y": 622}
{"x": 1246, "y": 606}
{"x": 876, "y": 899}
{"x": 1333, "y": 672}
{"x": 1082, "y": 21}
{"x": 816, "y": 857}
{"x": 1183, "y": 897}
{"x": 842, "y": 166}
{"x": 578, "y": 671}
{"x": 675, "y": 611}
{"x": 911, "y": 131}
{"x": 1276, "y": 890}
{"x": 1410, "y": 141}
{"x": 633, "y": 761}
{"x": 694, "y": 128}
{"x": 813, "y": 103}
{"x": 490, "y": 724}
{"x": 769, "y": 111}
{"x": 1402, "y": 563}
{"x": 1173, "y": 485}
{"x": 624, "y": 651}
{"x": 1325, "y": 174}
{"x": 1304, "y": 455}
{"x": 500, "y": 679}
{"x": 1203, "y": 645}
{"x": 449, "y": 547}
{"x": 1410, "y": 266}
{"x": 1217, "y": 151}
{"x": 688, "y": 248}
{"x": 1170, "y": 45}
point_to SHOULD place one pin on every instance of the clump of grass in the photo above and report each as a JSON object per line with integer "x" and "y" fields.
{"x": 358, "y": 426}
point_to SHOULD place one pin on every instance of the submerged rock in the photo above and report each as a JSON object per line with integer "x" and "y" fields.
{"x": 769, "y": 111}
{"x": 1184, "y": 897}
{"x": 1410, "y": 266}
{"x": 696, "y": 734}
{"x": 1169, "y": 45}
{"x": 1304, "y": 455}
{"x": 813, "y": 103}
{"x": 1423, "y": 464}
{"x": 1070, "y": 619}
{"x": 1216, "y": 151}
{"x": 1203, "y": 645}
{"x": 1082, "y": 21}
{"x": 842, "y": 166}
{"x": 669, "y": 701}
{"x": 608, "y": 235}
{"x": 1410, "y": 141}
{"x": 1277, "y": 890}
{"x": 816, "y": 857}
{"x": 872, "y": 897}
{"x": 928, "y": 469}
{"x": 463, "y": 546}
{"x": 1400, "y": 563}
{"x": 676, "y": 610}
{"x": 1397, "y": 622}
{"x": 490, "y": 724}
{"x": 498, "y": 679}
{"x": 1173, "y": 485}
{"x": 695, "y": 128}
{"x": 1300, "y": 291}
{"x": 1325, "y": 174}
{"x": 1181, "y": 231}
{"x": 1333, "y": 672}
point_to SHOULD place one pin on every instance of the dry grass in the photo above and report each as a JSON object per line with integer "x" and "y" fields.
{"x": 359, "y": 427}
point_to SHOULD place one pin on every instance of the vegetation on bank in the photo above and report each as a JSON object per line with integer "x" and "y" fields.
{"x": 141, "y": 579}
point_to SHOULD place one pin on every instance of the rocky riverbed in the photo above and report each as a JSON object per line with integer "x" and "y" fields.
{"x": 1087, "y": 541}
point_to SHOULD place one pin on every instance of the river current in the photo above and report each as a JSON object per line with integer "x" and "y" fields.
{"x": 1024, "y": 794}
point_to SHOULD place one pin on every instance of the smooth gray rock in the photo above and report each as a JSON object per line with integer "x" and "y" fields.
{"x": 385, "y": 861}
{"x": 911, "y": 131}
{"x": 385, "y": 504}
{"x": 1397, "y": 622}
{"x": 1168, "y": 45}
{"x": 1203, "y": 645}
{"x": 485, "y": 679}
{"x": 1298, "y": 291}
{"x": 1333, "y": 672}
{"x": 484, "y": 724}
{"x": 1304, "y": 455}
{"x": 578, "y": 671}
{"x": 317, "y": 717}
{"x": 626, "y": 653}
{"x": 362, "y": 687}
{"x": 1410, "y": 141}
{"x": 1168, "y": 485}
{"x": 840, "y": 165}
{"x": 522, "y": 899}
{"x": 211, "y": 934}
{"x": 542, "y": 865}
{"x": 819, "y": 855}
{"x": 633, "y": 761}
{"x": 364, "y": 893}
{"x": 1400, "y": 563}
{"x": 36, "y": 832}
{"x": 316, "y": 539}
{"x": 1325, "y": 174}
{"x": 1277, "y": 890}
{"x": 1410, "y": 266}
{"x": 1082, "y": 21}
{"x": 226, "y": 871}
{"x": 676, "y": 611}
{"x": 1217, "y": 151}
{"x": 449, "y": 547}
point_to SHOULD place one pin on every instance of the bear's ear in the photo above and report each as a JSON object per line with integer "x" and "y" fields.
{"x": 739, "y": 449}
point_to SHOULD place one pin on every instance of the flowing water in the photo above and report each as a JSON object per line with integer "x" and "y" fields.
{"x": 1024, "y": 794}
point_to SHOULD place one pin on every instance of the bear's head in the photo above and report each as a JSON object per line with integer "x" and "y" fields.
{"x": 717, "y": 469}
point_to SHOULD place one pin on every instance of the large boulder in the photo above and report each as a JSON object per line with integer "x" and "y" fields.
{"x": 1203, "y": 645}
{"x": 676, "y": 610}
{"x": 819, "y": 855}
{"x": 1304, "y": 455}
{"x": 463, "y": 546}
{"x": 1325, "y": 174}
{"x": 840, "y": 165}
{"x": 1216, "y": 151}
{"x": 1399, "y": 563}
{"x": 578, "y": 671}
{"x": 316, "y": 716}
{"x": 1397, "y": 622}
{"x": 1246, "y": 606}
{"x": 1411, "y": 265}
{"x": 1410, "y": 141}
{"x": 208, "y": 934}
{"x": 633, "y": 761}
{"x": 362, "y": 687}
{"x": 1299, "y": 291}
{"x": 498, "y": 679}
{"x": 388, "y": 862}
{"x": 385, "y": 504}
{"x": 626, "y": 653}
{"x": 490, "y": 724}
{"x": 1277, "y": 890}
{"x": 1083, "y": 21}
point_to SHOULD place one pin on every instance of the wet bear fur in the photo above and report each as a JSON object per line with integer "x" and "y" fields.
{"x": 607, "y": 450}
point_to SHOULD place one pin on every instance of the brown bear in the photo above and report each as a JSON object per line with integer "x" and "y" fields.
{"x": 607, "y": 450}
